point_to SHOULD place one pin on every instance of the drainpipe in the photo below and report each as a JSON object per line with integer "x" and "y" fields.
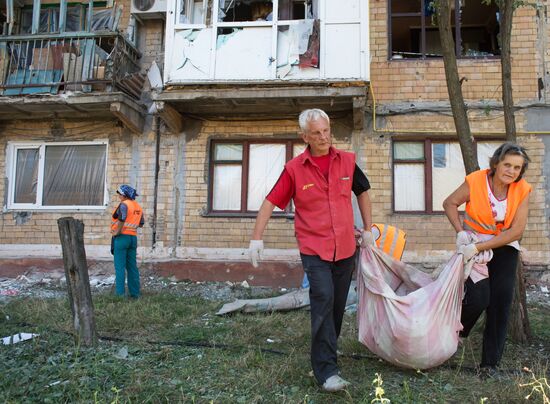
{"x": 157, "y": 169}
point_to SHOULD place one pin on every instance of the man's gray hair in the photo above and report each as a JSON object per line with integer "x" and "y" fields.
{"x": 308, "y": 115}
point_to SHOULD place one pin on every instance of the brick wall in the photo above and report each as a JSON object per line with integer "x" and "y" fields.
{"x": 215, "y": 232}
{"x": 41, "y": 227}
{"x": 424, "y": 80}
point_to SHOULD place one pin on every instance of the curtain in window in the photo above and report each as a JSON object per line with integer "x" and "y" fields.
{"x": 26, "y": 176}
{"x": 74, "y": 175}
{"x": 227, "y": 187}
{"x": 447, "y": 172}
{"x": 266, "y": 162}
{"x": 409, "y": 187}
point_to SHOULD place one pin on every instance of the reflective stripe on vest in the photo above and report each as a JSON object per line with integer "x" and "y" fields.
{"x": 114, "y": 222}
{"x": 133, "y": 217}
{"x": 389, "y": 239}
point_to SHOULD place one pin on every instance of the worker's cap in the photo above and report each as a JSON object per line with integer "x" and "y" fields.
{"x": 127, "y": 191}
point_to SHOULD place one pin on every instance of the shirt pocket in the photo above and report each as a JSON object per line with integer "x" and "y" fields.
{"x": 345, "y": 185}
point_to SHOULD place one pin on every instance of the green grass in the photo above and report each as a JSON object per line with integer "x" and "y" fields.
{"x": 179, "y": 351}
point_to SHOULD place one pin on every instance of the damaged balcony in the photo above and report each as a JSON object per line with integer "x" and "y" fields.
{"x": 46, "y": 71}
{"x": 266, "y": 40}
{"x": 264, "y": 59}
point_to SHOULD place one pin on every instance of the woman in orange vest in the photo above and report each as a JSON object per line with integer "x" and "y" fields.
{"x": 126, "y": 219}
{"x": 497, "y": 201}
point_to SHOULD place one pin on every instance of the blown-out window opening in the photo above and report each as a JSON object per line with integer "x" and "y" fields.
{"x": 413, "y": 31}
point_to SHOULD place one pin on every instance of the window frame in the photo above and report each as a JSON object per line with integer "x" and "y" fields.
{"x": 457, "y": 33}
{"x": 244, "y": 163}
{"x": 11, "y": 166}
{"x": 427, "y": 162}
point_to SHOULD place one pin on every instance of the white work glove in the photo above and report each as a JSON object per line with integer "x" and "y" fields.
{"x": 484, "y": 257}
{"x": 468, "y": 252}
{"x": 254, "y": 250}
{"x": 462, "y": 238}
{"x": 367, "y": 239}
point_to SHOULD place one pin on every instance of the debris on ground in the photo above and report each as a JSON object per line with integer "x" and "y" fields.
{"x": 19, "y": 337}
{"x": 51, "y": 284}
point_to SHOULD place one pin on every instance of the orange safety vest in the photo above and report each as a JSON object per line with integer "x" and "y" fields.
{"x": 478, "y": 216}
{"x": 133, "y": 217}
{"x": 389, "y": 239}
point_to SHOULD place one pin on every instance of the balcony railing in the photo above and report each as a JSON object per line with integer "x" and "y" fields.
{"x": 61, "y": 63}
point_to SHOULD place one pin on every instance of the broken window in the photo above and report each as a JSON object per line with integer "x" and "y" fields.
{"x": 53, "y": 175}
{"x": 416, "y": 161}
{"x": 414, "y": 33}
{"x": 298, "y": 9}
{"x": 195, "y": 11}
{"x": 247, "y": 165}
{"x": 245, "y": 10}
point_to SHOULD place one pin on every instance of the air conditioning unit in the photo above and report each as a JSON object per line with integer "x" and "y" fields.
{"x": 146, "y": 9}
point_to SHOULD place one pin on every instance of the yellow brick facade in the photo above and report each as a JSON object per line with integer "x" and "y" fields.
{"x": 403, "y": 85}
{"x": 123, "y": 163}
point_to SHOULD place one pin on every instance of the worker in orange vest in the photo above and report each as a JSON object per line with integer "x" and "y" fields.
{"x": 125, "y": 220}
{"x": 497, "y": 203}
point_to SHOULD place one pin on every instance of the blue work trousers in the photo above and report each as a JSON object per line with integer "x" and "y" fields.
{"x": 125, "y": 252}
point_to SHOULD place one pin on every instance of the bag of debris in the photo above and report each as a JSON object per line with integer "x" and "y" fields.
{"x": 404, "y": 316}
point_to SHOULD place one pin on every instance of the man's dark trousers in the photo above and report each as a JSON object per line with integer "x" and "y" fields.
{"x": 328, "y": 291}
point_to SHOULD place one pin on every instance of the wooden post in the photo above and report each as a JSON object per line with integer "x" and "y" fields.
{"x": 71, "y": 234}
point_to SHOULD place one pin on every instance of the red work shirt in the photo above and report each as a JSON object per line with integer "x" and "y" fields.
{"x": 323, "y": 210}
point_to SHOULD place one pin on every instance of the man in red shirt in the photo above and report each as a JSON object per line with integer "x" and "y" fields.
{"x": 320, "y": 182}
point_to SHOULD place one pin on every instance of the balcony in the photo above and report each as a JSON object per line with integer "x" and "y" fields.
{"x": 87, "y": 73}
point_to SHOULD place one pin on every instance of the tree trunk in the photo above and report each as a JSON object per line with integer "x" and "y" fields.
{"x": 506, "y": 17}
{"x": 71, "y": 233}
{"x": 518, "y": 323}
{"x": 520, "y": 330}
{"x": 458, "y": 107}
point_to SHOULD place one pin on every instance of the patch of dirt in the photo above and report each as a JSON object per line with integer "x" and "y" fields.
{"x": 51, "y": 284}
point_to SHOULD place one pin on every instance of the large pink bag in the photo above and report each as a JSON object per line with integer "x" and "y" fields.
{"x": 403, "y": 315}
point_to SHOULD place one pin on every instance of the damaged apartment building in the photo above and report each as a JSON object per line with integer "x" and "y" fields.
{"x": 195, "y": 103}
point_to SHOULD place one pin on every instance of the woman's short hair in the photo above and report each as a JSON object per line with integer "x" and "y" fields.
{"x": 308, "y": 115}
{"x": 505, "y": 149}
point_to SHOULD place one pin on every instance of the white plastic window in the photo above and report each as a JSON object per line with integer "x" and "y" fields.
{"x": 57, "y": 175}
{"x": 265, "y": 165}
{"x": 409, "y": 187}
{"x": 446, "y": 169}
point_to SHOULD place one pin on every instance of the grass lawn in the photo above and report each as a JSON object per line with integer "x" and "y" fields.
{"x": 170, "y": 348}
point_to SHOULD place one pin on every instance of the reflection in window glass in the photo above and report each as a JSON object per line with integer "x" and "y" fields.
{"x": 448, "y": 176}
{"x": 195, "y": 11}
{"x": 26, "y": 176}
{"x": 227, "y": 187}
{"x": 229, "y": 152}
{"x": 439, "y": 155}
{"x": 408, "y": 150}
